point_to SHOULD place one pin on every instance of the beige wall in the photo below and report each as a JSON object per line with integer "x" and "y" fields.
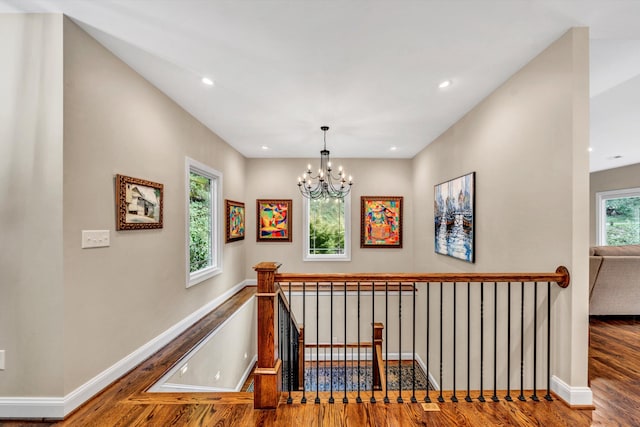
{"x": 527, "y": 143}
{"x": 31, "y": 277}
{"x": 115, "y": 122}
{"x": 611, "y": 179}
{"x": 277, "y": 178}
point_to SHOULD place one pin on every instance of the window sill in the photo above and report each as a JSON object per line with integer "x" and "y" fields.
{"x": 326, "y": 258}
{"x": 202, "y": 275}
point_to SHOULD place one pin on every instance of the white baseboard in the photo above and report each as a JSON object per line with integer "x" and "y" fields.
{"x": 573, "y": 396}
{"x": 246, "y": 373}
{"x": 58, "y": 407}
{"x": 432, "y": 379}
{"x": 32, "y": 407}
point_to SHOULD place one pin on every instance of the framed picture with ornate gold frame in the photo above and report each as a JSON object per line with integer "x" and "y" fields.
{"x": 381, "y": 222}
{"x": 235, "y": 221}
{"x": 139, "y": 203}
{"x": 273, "y": 220}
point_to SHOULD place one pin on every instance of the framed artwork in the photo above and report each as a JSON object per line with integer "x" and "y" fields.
{"x": 273, "y": 223}
{"x": 139, "y": 203}
{"x": 235, "y": 222}
{"x": 380, "y": 222}
{"x": 454, "y": 217}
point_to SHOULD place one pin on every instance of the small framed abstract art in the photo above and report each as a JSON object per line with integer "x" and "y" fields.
{"x": 138, "y": 203}
{"x": 381, "y": 222}
{"x": 273, "y": 222}
{"x": 235, "y": 221}
{"x": 454, "y": 217}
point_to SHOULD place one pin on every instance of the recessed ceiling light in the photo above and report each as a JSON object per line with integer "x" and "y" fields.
{"x": 444, "y": 84}
{"x": 264, "y": 147}
{"x": 590, "y": 149}
{"x": 207, "y": 81}
{"x": 393, "y": 148}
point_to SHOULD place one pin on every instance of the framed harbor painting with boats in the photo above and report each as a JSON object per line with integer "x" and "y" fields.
{"x": 454, "y": 217}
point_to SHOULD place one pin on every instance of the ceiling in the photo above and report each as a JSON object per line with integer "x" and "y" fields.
{"x": 368, "y": 69}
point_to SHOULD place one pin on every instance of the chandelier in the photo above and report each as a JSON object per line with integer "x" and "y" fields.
{"x": 325, "y": 184}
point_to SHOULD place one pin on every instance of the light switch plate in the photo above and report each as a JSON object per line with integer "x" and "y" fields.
{"x": 95, "y": 238}
{"x": 1, "y": 360}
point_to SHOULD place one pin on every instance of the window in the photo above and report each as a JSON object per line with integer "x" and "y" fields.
{"x": 327, "y": 229}
{"x": 204, "y": 248}
{"x": 618, "y": 217}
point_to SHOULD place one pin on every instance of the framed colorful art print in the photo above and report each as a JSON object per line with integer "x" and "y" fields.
{"x": 381, "y": 222}
{"x": 235, "y": 221}
{"x": 273, "y": 222}
{"x": 454, "y": 217}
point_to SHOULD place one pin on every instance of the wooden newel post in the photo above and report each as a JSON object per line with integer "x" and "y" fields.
{"x": 268, "y": 373}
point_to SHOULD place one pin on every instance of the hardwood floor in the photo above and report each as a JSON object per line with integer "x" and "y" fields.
{"x": 614, "y": 372}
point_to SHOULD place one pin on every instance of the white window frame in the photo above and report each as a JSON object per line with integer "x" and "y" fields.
{"x": 215, "y": 268}
{"x": 346, "y": 256}
{"x": 601, "y": 214}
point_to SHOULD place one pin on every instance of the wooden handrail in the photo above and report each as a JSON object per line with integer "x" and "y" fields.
{"x": 561, "y": 277}
{"x": 340, "y": 286}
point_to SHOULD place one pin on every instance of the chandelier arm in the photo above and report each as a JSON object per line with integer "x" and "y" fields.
{"x": 336, "y": 178}
{"x": 335, "y": 188}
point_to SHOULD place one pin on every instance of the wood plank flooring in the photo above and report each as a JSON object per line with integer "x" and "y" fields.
{"x": 614, "y": 372}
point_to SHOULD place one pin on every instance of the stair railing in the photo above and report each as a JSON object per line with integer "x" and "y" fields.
{"x": 271, "y": 381}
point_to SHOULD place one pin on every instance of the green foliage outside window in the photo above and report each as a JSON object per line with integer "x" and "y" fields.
{"x": 623, "y": 221}
{"x": 326, "y": 227}
{"x": 199, "y": 222}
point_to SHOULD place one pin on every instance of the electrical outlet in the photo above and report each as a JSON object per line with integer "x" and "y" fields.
{"x": 95, "y": 239}
{"x": 1, "y": 360}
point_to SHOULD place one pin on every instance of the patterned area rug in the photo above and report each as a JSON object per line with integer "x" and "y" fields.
{"x": 320, "y": 378}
